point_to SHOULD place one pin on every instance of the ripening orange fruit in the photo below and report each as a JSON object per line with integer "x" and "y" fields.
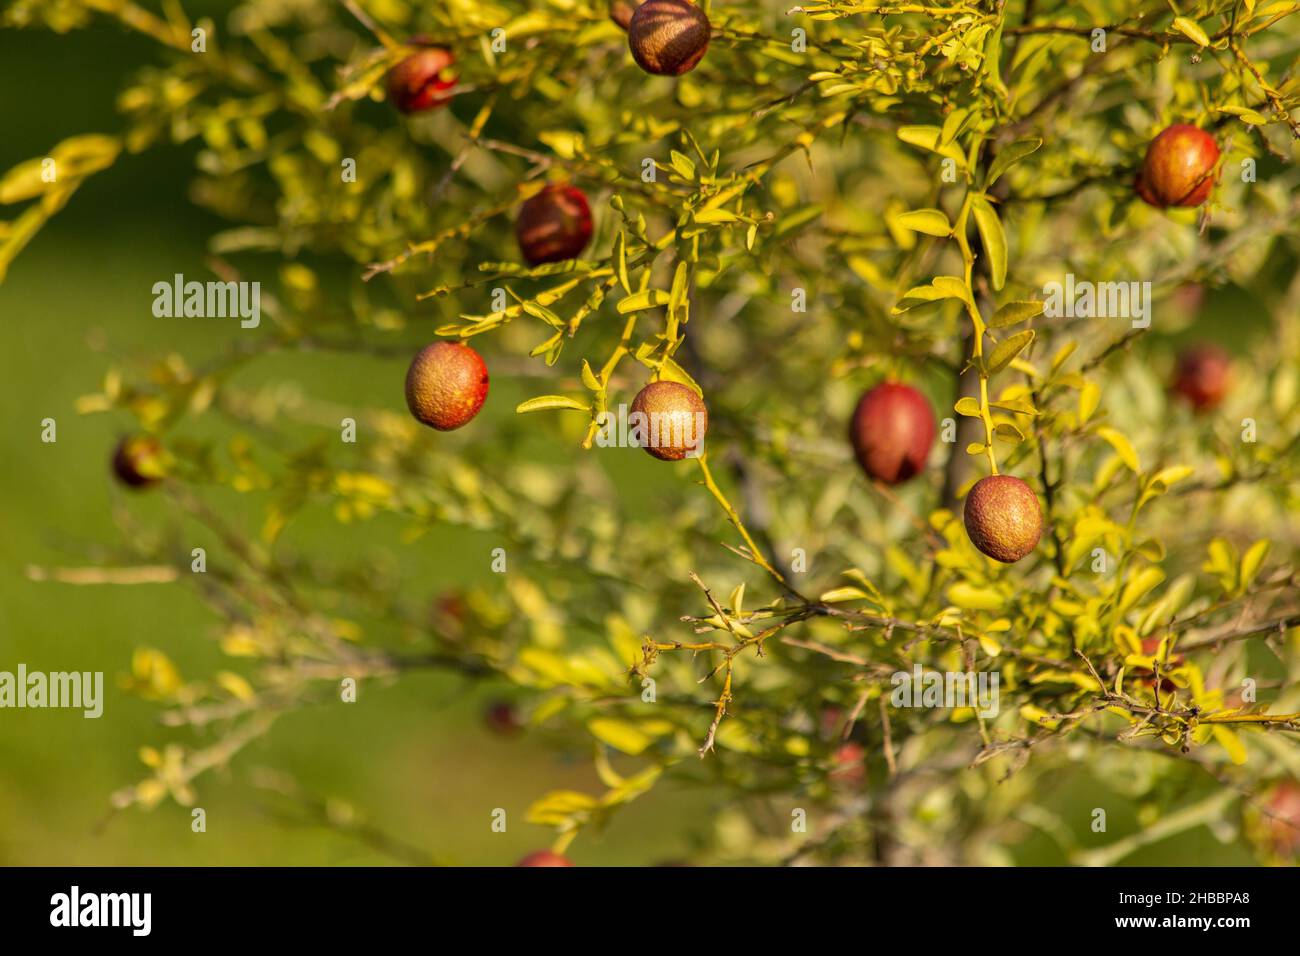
{"x": 446, "y": 385}
{"x": 1179, "y": 167}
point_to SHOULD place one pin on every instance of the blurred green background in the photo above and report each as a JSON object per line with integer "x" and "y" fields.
{"x": 415, "y": 757}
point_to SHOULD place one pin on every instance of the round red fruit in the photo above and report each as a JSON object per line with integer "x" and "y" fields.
{"x": 1203, "y": 375}
{"x": 1179, "y": 167}
{"x": 554, "y": 225}
{"x": 423, "y": 81}
{"x": 446, "y": 385}
{"x": 891, "y": 432}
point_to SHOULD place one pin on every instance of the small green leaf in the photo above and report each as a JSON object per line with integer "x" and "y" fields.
{"x": 1246, "y": 115}
{"x": 619, "y": 734}
{"x": 1007, "y": 350}
{"x": 993, "y": 237}
{"x": 1089, "y": 397}
{"x": 836, "y": 595}
{"x": 620, "y": 258}
{"x": 967, "y": 406}
{"x": 1192, "y": 30}
{"x": 1013, "y": 313}
{"x": 1008, "y": 432}
{"x": 648, "y": 299}
{"x": 942, "y": 287}
{"x": 707, "y": 216}
{"x": 1251, "y": 562}
{"x": 953, "y": 124}
{"x": 932, "y": 222}
{"x": 545, "y": 402}
{"x": 1138, "y": 586}
{"x": 682, "y": 165}
{"x": 1123, "y": 447}
{"x": 928, "y": 137}
{"x": 678, "y": 293}
{"x": 1009, "y": 155}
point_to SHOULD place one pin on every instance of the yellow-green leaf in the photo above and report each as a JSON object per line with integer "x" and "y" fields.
{"x": 1192, "y": 30}
{"x": 619, "y": 734}
{"x": 545, "y": 402}
{"x": 993, "y": 237}
{"x": 932, "y": 222}
{"x": 1014, "y": 313}
{"x": 648, "y": 299}
{"x": 1123, "y": 447}
{"x": 1008, "y": 349}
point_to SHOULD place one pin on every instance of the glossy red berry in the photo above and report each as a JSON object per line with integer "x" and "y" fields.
{"x": 423, "y": 81}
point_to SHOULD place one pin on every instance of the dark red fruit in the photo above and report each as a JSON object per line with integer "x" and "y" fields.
{"x": 423, "y": 80}
{"x": 554, "y": 225}
{"x": 446, "y": 385}
{"x": 668, "y": 37}
{"x": 891, "y": 432}
{"x": 545, "y": 858}
{"x": 502, "y": 719}
{"x": 1203, "y": 375}
{"x": 1179, "y": 167}
{"x": 138, "y": 461}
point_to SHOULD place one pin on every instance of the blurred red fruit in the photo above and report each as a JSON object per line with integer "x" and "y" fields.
{"x": 891, "y": 432}
{"x": 849, "y": 766}
{"x": 423, "y": 80}
{"x": 554, "y": 225}
{"x": 545, "y": 858}
{"x": 1203, "y": 375}
{"x": 502, "y": 719}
